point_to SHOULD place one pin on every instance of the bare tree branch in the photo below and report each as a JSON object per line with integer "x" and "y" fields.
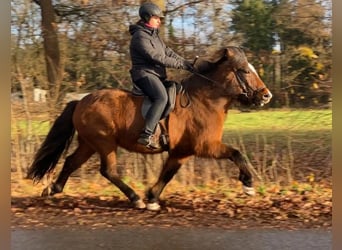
{"x": 183, "y": 5}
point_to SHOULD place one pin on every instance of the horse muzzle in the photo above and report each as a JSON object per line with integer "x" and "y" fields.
{"x": 257, "y": 98}
{"x": 263, "y": 97}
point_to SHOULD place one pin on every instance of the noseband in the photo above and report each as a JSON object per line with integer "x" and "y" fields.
{"x": 247, "y": 90}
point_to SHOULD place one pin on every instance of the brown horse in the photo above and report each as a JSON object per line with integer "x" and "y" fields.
{"x": 111, "y": 118}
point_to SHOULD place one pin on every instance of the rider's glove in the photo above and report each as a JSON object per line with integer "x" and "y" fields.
{"x": 188, "y": 66}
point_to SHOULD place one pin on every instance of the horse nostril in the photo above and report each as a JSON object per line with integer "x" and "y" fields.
{"x": 267, "y": 96}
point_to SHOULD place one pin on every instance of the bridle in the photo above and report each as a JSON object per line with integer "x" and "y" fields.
{"x": 246, "y": 88}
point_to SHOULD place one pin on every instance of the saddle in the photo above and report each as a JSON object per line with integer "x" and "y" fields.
{"x": 161, "y": 132}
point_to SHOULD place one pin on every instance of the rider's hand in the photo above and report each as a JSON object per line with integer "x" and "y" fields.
{"x": 188, "y": 66}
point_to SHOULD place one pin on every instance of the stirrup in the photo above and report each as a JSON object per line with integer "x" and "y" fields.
{"x": 149, "y": 142}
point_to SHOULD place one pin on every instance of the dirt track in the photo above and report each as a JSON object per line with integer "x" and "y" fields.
{"x": 295, "y": 211}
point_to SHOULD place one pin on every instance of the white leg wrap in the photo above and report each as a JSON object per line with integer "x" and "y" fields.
{"x": 140, "y": 204}
{"x": 248, "y": 190}
{"x": 153, "y": 206}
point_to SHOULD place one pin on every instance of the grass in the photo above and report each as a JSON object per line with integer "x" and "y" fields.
{"x": 22, "y": 127}
{"x": 304, "y": 134}
{"x": 265, "y": 120}
{"x": 277, "y": 120}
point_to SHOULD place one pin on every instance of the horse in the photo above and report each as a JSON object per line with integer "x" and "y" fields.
{"x": 110, "y": 118}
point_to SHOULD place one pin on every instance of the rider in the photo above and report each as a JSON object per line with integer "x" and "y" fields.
{"x": 150, "y": 58}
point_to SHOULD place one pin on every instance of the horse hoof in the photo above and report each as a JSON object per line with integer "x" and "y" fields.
{"x": 153, "y": 206}
{"x": 139, "y": 204}
{"x": 46, "y": 192}
{"x": 248, "y": 190}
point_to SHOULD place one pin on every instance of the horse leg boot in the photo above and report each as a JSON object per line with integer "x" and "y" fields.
{"x": 72, "y": 162}
{"x": 170, "y": 168}
{"x": 108, "y": 170}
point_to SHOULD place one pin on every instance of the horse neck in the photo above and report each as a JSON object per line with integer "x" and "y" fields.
{"x": 209, "y": 94}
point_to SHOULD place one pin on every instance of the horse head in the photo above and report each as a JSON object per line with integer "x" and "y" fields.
{"x": 235, "y": 76}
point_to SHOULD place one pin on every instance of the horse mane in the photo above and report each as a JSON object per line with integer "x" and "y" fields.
{"x": 235, "y": 56}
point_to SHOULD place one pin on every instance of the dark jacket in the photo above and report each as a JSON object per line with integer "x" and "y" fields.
{"x": 149, "y": 54}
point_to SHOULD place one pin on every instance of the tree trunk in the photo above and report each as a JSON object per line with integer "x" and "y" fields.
{"x": 52, "y": 51}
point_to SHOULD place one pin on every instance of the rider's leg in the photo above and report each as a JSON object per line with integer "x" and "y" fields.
{"x": 153, "y": 87}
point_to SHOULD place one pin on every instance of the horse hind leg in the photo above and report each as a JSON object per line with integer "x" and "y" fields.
{"x": 72, "y": 162}
{"x": 109, "y": 171}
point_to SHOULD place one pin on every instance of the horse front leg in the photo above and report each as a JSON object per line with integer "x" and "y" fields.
{"x": 223, "y": 152}
{"x": 169, "y": 169}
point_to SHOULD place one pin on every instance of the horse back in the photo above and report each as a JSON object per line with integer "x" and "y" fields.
{"x": 109, "y": 114}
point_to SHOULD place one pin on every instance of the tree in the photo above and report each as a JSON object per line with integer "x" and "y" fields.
{"x": 54, "y": 66}
{"x": 253, "y": 20}
{"x": 86, "y": 42}
{"x": 304, "y": 32}
{"x": 277, "y": 31}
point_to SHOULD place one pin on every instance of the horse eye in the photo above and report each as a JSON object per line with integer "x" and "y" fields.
{"x": 244, "y": 71}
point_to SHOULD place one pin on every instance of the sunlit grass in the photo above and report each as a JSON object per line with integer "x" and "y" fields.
{"x": 276, "y": 120}
{"x": 265, "y": 120}
{"x": 24, "y": 128}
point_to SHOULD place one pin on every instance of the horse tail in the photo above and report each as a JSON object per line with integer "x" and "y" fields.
{"x": 56, "y": 142}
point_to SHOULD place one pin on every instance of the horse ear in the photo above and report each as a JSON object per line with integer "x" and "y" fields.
{"x": 230, "y": 52}
{"x": 221, "y": 55}
{"x": 205, "y": 65}
{"x": 237, "y": 57}
{"x": 217, "y": 56}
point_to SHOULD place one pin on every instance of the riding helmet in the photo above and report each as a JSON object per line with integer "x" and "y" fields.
{"x": 147, "y": 10}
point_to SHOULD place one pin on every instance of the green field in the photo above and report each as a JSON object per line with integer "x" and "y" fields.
{"x": 298, "y": 141}
{"x": 289, "y": 120}
{"x": 25, "y": 128}
{"x": 246, "y": 122}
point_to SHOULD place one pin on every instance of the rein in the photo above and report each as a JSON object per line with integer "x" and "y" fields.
{"x": 188, "y": 99}
{"x": 184, "y": 92}
{"x": 204, "y": 77}
{"x": 242, "y": 82}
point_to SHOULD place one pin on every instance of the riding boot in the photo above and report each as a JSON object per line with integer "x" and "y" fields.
{"x": 149, "y": 141}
